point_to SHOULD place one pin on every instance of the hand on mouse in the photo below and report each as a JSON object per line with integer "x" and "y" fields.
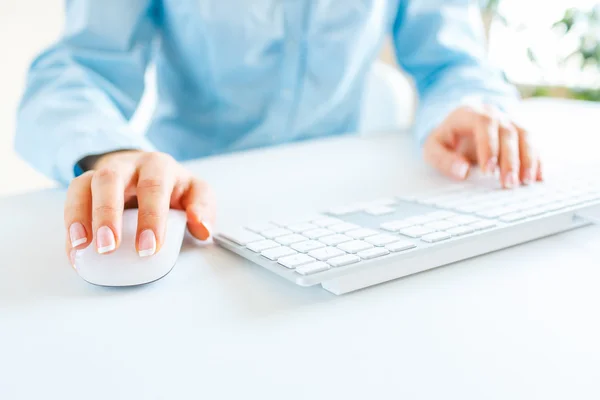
{"x": 151, "y": 182}
{"x": 484, "y": 137}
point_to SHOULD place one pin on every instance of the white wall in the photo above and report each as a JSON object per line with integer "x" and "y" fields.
{"x": 26, "y": 27}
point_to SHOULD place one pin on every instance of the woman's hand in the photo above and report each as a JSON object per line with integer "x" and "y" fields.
{"x": 151, "y": 182}
{"x": 486, "y": 138}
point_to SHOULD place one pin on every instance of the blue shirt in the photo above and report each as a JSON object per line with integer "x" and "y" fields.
{"x": 237, "y": 74}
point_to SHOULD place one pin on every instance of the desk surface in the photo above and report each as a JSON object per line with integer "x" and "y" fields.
{"x": 517, "y": 324}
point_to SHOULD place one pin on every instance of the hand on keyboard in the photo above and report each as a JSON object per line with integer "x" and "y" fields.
{"x": 151, "y": 182}
{"x": 483, "y": 137}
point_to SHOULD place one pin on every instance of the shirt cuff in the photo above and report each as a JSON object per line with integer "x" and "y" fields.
{"x": 83, "y": 145}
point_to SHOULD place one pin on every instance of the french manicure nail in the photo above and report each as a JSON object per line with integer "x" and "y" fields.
{"x": 105, "y": 240}
{"x": 528, "y": 176}
{"x": 77, "y": 234}
{"x": 208, "y": 228}
{"x": 510, "y": 180}
{"x": 460, "y": 169}
{"x": 147, "y": 244}
{"x": 490, "y": 167}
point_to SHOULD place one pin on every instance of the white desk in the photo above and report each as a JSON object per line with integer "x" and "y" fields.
{"x": 517, "y": 324}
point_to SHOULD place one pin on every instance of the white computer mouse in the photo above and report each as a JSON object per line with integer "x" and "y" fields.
{"x": 124, "y": 267}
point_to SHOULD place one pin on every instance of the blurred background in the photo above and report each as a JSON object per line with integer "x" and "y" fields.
{"x": 547, "y": 48}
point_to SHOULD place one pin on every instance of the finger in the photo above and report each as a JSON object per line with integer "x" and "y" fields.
{"x": 487, "y": 142}
{"x": 108, "y": 186}
{"x": 540, "y": 176}
{"x": 509, "y": 156}
{"x": 448, "y": 162}
{"x": 154, "y": 188}
{"x": 528, "y": 158}
{"x": 78, "y": 212}
{"x": 198, "y": 201}
{"x": 71, "y": 254}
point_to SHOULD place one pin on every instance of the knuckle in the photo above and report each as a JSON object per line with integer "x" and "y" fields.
{"x": 486, "y": 119}
{"x": 106, "y": 210}
{"x": 154, "y": 184}
{"x": 106, "y": 174}
{"x": 149, "y": 214}
{"x": 158, "y": 157}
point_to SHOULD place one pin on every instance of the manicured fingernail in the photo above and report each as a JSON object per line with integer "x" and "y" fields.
{"x": 460, "y": 169}
{"x": 510, "y": 180}
{"x": 208, "y": 228}
{"x": 77, "y": 234}
{"x": 105, "y": 240}
{"x": 490, "y": 167}
{"x": 147, "y": 244}
{"x": 529, "y": 176}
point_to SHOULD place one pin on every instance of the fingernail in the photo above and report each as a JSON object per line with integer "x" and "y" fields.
{"x": 208, "y": 229}
{"x": 77, "y": 234}
{"x": 490, "y": 167}
{"x": 460, "y": 169}
{"x": 528, "y": 176}
{"x": 147, "y": 244}
{"x": 105, "y": 240}
{"x": 510, "y": 180}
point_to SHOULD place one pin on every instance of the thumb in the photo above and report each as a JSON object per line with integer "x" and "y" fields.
{"x": 199, "y": 204}
{"x": 446, "y": 160}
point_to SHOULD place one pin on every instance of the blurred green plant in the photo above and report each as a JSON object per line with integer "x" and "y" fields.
{"x": 576, "y": 25}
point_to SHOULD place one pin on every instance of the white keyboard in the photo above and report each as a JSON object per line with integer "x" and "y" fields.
{"x": 358, "y": 245}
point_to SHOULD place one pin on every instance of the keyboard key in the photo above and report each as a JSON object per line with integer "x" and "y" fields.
{"x": 274, "y": 233}
{"x": 302, "y": 227}
{"x": 343, "y": 260}
{"x": 341, "y": 228}
{"x": 277, "y": 253}
{"x": 379, "y": 210}
{"x": 242, "y": 236}
{"x": 326, "y": 253}
{"x": 421, "y": 219}
{"x": 387, "y": 201}
{"x": 496, "y": 212}
{"x": 373, "y": 253}
{"x": 305, "y": 247}
{"x": 463, "y": 219}
{"x": 483, "y": 225}
{"x": 361, "y": 233}
{"x": 327, "y": 221}
{"x": 416, "y": 231}
{"x": 442, "y": 214}
{"x": 355, "y": 246}
{"x": 436, "y": 237}
{"x": 461, "y": 230}
{"x": 261, "y": 245}
{"x": 440, "y": 225}
{"x": 381, "y": 240}
{"x": 345, "y": 210}
{"x": 258, "y": 228}
{"x": 334, "y": 240}
{"x": 295, "y": 261}
{"x": 317, "y": 233}
{"x": 312, "y": 268}
{"x": 290, "y": 239}
{"x": 400, "y": 245}
{"x": 395, "y": 226}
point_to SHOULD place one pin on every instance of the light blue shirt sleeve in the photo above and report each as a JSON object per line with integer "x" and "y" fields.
{"x": 441, "y": 44}
{"x": 82, "y": 91}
